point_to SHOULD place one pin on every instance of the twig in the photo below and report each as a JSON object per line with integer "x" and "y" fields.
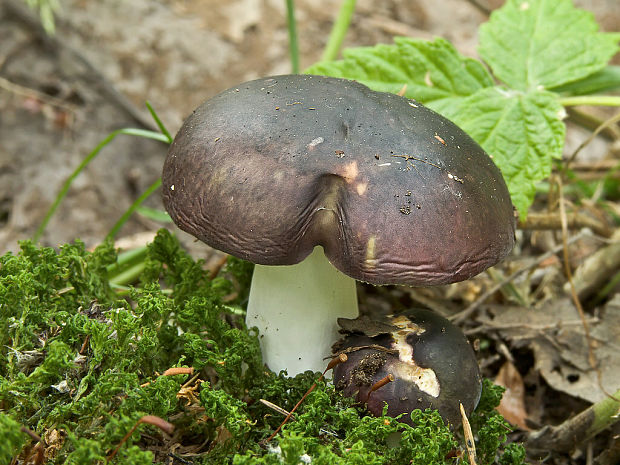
{"x": 488, "y": 324}
{"x": 348, "y": 350}
{"x": 31, "y": 433}
{"x": 37, "y": 453}
{"x": 277, "y": 408}
{"x": 608, "y": 123}
{"x": 32, "y": 93}
{"x": 148, "y": 419}
{"x": 461, "y": 316}
{"x": 215, "y": 270}
{"x": 591, "y": 122}
{"x": 574, "y": 220}
{"x": 379, "y": 384}
{"x": 573, "y": 292}
{"x": 469, "y": 437}
{"x": 592, "y": 274}
{"x": 578, "y": 429}
{"x": 335, "y": 361}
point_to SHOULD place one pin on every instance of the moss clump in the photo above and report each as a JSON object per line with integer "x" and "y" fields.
{"x": 79, "y": 367}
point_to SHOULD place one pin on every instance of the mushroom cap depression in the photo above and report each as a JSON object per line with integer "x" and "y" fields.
{"x": 394, "y": 192}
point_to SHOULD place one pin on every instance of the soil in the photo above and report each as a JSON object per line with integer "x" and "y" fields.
{"x": 61, "y": 95}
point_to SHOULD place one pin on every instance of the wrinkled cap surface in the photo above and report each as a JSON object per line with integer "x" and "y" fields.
{"x": 395, "y": 193}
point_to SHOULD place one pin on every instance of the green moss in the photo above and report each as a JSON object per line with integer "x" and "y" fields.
{"x": 77, "y": 358}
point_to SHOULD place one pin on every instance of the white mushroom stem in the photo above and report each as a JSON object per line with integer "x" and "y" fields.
{"x": 295, "y": 308}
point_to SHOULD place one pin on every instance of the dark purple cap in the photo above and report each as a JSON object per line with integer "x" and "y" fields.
{"x": 394, "y": 192}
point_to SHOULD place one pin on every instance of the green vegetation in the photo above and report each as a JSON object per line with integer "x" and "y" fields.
{"x": 81, "y": 351}
{"x": 79, "y": 364}
{"x": 543, "y": 55}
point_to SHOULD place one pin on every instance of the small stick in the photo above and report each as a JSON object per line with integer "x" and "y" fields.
{"x": 574, "y": 220}
{"x": 149, "y": 419}
{"x": 84, "y": 345}
{"x": 577, "y": 429}
{"x": 178, "y": 371}
{"x": 469, "y": 437}
{"x": 594, "y": 363}
{"x": 379, "y": 384}
{"x": 275, "y": 407}
{"x": 335, "y": 361}
{"x": 464, "y": 314}
{"x": 31, "y": 433}
{"x": 175, "y": 371}
{"x": 218, "y": 267}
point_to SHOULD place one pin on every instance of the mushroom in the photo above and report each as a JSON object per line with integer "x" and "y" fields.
{"x": 428, "y": 360}
{"x": 320, "y": 182}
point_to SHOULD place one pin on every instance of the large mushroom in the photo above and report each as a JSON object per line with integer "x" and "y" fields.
{"x": 322, "y": 181}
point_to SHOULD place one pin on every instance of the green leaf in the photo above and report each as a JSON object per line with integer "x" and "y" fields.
{"x": 546, "y": 43}
{"x": 607, "y": 79}
{"x": 523, "y": 133}
{"x": 434, "y": 71}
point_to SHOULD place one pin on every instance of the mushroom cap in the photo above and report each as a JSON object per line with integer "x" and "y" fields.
{"x": 434, "y": 366}
{"x": 393, "y": 192}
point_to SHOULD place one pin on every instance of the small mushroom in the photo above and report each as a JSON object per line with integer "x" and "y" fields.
{"x": 322, "y": 181}
{"x": 431, "y": 362}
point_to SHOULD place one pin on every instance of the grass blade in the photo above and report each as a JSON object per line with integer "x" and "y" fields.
{"x": 292, "y": 35}
{"x": 91, "y": 156}
{"x": 123, "y": 219}
{"x": 159, "y": 123}
{"x": 341, "y": 26}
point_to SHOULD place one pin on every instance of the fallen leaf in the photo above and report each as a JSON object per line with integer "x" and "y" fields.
{"x": 512, "y": 406}
{"x": 556, "y": 336}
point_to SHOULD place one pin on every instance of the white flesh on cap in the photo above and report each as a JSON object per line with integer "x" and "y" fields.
{"x": 295, "y": 308}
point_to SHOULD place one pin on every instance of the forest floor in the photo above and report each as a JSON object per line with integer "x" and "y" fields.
{"x": 61, "y": 95}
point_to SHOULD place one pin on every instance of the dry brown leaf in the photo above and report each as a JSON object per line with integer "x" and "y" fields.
{"x": 512, "y": 406}
{"x": 556, "y": 336}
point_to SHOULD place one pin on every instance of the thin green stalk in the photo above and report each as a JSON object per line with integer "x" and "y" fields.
{"x": 123, "y": 219}
{"x": 341, "y": 26}
{"x": 292, "y": 35}
{"x": 158, "y": 121}
{"x": 126, "y": 260}
{"x": 129, "y": 275}
{"x": 155, "y": 214}
{"x": 91, "y": 156}
{"x": 592, "y": 100}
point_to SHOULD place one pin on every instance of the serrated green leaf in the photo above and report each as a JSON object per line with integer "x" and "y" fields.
{"x": 523, "y": 133}
{"x": 608, "y": 79}
{"x": 544, "y": 43}
{"x": 434, "y": 71}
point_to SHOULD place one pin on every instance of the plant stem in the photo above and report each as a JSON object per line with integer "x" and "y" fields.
{"x": 91, "y": 156}
{"x": 129, "y": 275}
{"x": 159, "y": 123}
{"x": 339, "y": 30}
{"x": 593, "y": 100}
{"x": 123, "y": 219}
{"x": 292, "y": 35}
{"x": 579, "y": 428}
